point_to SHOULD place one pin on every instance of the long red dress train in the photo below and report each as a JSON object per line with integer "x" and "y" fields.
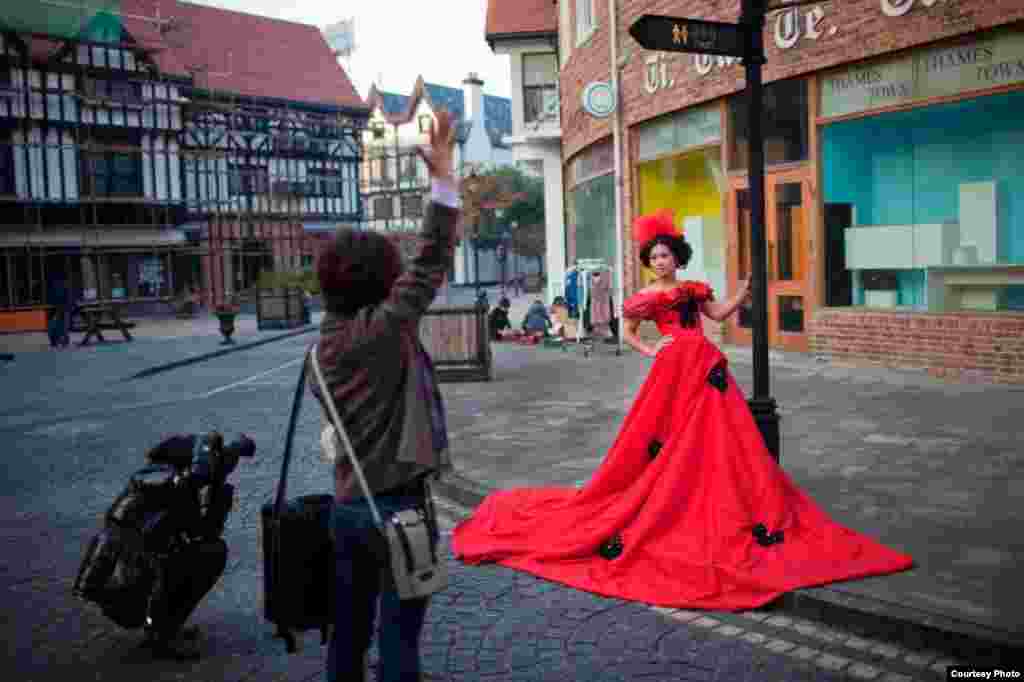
{"x": 688, "y": 508}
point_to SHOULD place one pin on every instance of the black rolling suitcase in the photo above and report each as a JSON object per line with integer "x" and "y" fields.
{"x": 298, "y": 555}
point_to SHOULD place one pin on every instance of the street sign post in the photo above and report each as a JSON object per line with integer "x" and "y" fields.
{"x": 671, "y": 34}
{"x": 745, "y": 40}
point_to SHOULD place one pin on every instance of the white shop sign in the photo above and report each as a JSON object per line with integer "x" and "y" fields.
{"x": 968, "y": 66}
{"x": 787, "y": 28}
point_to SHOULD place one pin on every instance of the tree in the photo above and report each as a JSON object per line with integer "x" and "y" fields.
{"x": 497, "y": 198}
{"x": 528, "y": 240}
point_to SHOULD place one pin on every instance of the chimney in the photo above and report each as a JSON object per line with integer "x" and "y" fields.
{"x": 473, "y": 93}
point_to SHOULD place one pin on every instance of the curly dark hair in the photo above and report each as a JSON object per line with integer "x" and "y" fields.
{"x": 356, "y": 270}
{"x": 679, "y": 247}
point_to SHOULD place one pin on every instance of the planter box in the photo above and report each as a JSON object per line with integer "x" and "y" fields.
{"x": 28, "y": 320}
{"x": 456, "y": 339}
{"x": 281, "y": 309}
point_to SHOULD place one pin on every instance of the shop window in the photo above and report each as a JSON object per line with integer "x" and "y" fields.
{"x": 790, "y": 233}
{"x": 326, "y": 182}
{"x": 593, "y": 205}
{"x": 784, "y": 123}
{"x": 113, "y": 164}
{"x": 412, "y": 206}
{"x": 7, "y": 181}
{"x": 122, "y": 91}
{"x": 791, "y": 314}
{"x": 540, "y": 87}
{"x": 246, "y": 179}
{"x": 745, "y": 318}
{"x": 933, "y": 205}
{"x": 383, "y": 208}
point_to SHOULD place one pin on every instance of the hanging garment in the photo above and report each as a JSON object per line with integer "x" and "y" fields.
{"x": 688, "y": 508}
{"x": 572, "y": 295}
{"x": 600, "y": 303}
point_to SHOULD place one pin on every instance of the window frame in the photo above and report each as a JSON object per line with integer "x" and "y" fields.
{"x": 8, "y": 169}
{"x": 585, "y": 29}
{"x": 538, "y": 116}
{"x": 109, "y": 159}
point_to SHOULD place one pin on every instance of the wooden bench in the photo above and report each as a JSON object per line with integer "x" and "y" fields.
{"x": 99, "y": 316}
{"x": 457, "y": 339}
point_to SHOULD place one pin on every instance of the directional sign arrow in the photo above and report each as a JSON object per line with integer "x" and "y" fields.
{"x": 675, "y": 34}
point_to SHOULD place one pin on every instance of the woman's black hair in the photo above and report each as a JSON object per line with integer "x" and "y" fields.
{"x": 679, "y": 247}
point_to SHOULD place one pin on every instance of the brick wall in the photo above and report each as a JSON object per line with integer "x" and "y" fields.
{"x": 850, "y": 30}
{"x": 968, "y": 346}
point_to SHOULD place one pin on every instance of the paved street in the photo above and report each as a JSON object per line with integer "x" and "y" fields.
{"x": 69, "y": 459}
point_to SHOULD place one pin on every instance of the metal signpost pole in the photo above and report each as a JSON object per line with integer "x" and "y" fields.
{"x": 744, "y": 40}
{"x": 762, "y": 405}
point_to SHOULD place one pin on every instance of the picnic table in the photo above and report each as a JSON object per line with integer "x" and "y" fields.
{"x": 99, "y": 316}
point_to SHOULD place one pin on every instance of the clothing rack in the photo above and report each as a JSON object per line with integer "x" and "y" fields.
{"x": 585, "y": 268}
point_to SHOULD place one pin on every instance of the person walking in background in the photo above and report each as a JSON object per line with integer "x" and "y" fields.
{"x": 60, "y": 298}
{"x": 385, "y": 388}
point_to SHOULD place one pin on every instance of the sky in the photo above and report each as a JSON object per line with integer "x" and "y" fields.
{"x": 398, "y": 40}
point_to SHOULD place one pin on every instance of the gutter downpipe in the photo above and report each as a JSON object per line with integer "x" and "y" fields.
{"x": 613, "y": 24}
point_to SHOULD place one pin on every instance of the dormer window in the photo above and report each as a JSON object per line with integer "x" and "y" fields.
{"x": 425, "y": 121}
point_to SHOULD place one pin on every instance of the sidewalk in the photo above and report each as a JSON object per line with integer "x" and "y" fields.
{"x": 932, "y": 468}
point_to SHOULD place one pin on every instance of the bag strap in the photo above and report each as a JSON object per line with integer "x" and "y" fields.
{"x": 282, "y": 483}
{"x": 343, "y": 437}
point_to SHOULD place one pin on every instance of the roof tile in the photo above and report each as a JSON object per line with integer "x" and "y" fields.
{"x": 523, "y": 16}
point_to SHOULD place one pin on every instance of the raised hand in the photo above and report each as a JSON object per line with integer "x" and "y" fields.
{"x": 439, "y": 155}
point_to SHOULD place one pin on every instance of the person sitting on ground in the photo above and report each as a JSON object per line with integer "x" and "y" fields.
{"x": 498, "y": 320}
{"x": 537, "y": 322}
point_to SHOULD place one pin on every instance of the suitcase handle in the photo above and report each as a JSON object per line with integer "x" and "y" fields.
{"x": 282, "y": 483}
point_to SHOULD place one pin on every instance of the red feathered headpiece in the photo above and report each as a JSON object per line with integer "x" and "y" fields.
{"x": 647, "y": 227}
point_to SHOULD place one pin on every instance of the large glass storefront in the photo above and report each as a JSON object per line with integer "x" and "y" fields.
{"x": 924, "y": 207}
{"x": 680, "y": 168}
{"x": 590, "y": 206}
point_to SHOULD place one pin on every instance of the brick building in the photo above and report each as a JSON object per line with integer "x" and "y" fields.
{"x": 895, "y": 178}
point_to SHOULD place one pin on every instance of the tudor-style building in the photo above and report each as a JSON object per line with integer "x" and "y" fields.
{"x": 166, "y": 147}
{"x": 394, "y": 179}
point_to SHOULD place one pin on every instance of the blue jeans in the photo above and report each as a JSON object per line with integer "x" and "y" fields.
{"x": 362, "y": 576}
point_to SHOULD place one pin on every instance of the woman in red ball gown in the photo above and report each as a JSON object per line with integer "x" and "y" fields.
{"x": 688, "y": 508}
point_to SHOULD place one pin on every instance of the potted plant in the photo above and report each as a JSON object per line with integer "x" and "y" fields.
{"x": 226, "y": 313}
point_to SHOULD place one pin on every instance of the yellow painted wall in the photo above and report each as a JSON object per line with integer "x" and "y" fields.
{"x": 692, "y": 185}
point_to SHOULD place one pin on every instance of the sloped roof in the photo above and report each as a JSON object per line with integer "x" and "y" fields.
{"x": 393, "y": 103}
{"x": 223, "y": 50}
{"x": 497, "y": 117}
{"x": 258, "y": 56}
{"x": 444, "y": 97}
{"x": 524, "y": 17}
{"x": 399, "y": 109}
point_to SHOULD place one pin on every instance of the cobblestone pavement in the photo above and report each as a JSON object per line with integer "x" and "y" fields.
{"x": 490, "y": 624}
